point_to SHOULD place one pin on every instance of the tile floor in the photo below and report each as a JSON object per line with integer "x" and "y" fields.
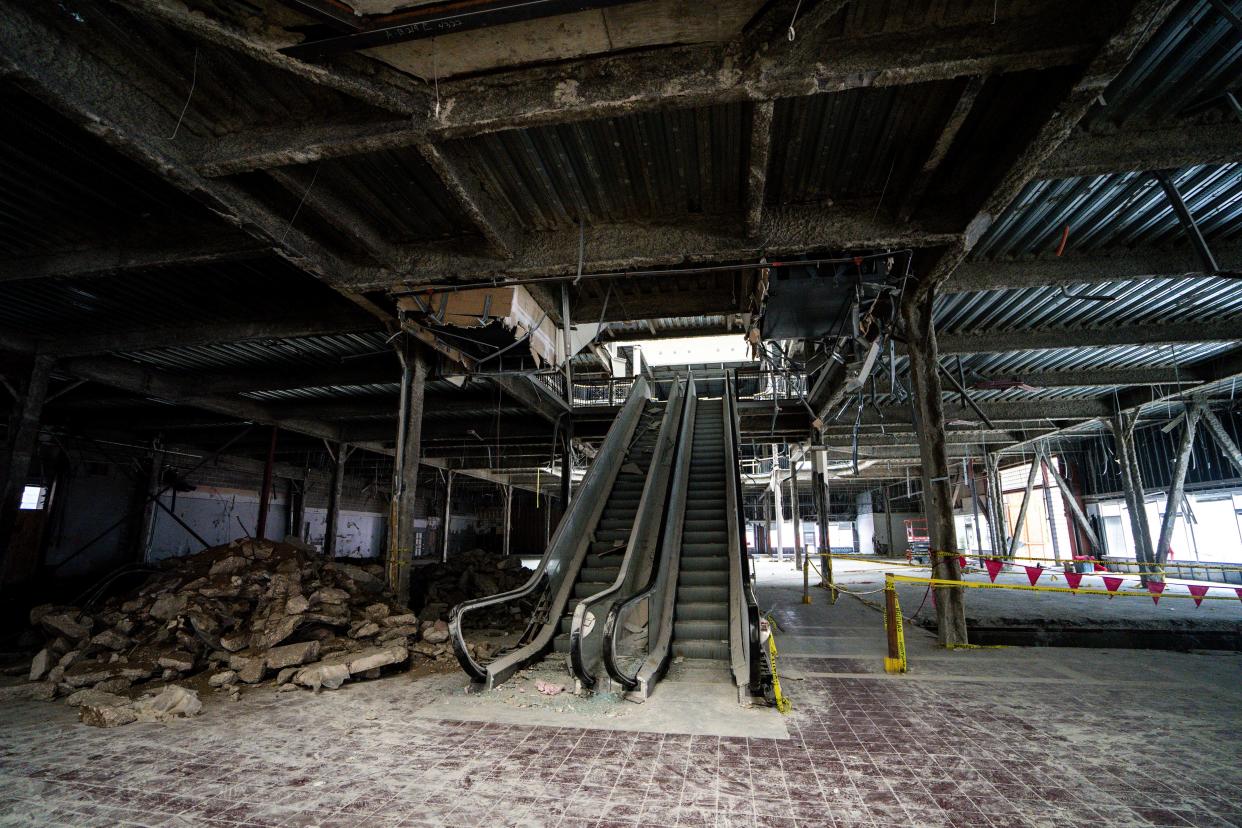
{"x": 1010, "y": 737}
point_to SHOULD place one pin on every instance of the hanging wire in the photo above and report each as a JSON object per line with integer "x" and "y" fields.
{"x": 193, "y": 84}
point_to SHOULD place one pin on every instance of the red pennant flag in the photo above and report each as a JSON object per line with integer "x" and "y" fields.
{"x": 1155, "y": 588}
{"x": 1111, "y": 584}
{"x": 962, "y": 560}
{"x": 994, "y": 567}
{"x": 1239, "y": 591}
{"x": 1198, "y": 591}
{"x": 1099, "y": 567}
{"x": 1033, "y": 573}
{"x": 1073, "y": 579}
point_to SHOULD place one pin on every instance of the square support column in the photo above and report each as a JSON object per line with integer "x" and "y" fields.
{"x": 20, "y": 449}
{"x": 332, "y": 522}
{"x": 415, "y": 367}
{"x": 916, "y": 311}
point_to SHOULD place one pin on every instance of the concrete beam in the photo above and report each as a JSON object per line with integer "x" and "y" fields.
{"x": 132, "y": 377}
{"x": 1077, "y": 269}
{"x": 225, "y": 247}
{"x": 627, "y": 246}
{"x": 757, "y": 166}
{"x": 1044, "y": 34}
{"x": 1158, "y": 334}
{"x": 534, "y": 395}
{"x": 489, "y": 214}
{"x": 1085, "y": 153}
{"x": 1003, "y": 412}
{"x": 207, "y": 334}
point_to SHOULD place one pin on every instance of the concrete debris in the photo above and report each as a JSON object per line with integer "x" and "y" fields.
{"x": 437, "y": 587}
{"x": 41, "y": 664}
{"x": 97, "y": 698}
{"x": 547, "y": 688}
{"x": 249, "y": 612}
{"x": 106, "y": 715}
{"x": 172, "y": 702}
{"x": 224, "y": 678}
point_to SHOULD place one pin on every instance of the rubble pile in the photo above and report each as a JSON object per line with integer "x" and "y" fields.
{"x": 239, "y": 614}
{"x": 438, "y": 587}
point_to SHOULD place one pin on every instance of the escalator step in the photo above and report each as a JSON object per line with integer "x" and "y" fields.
{"x": 705, "y": 564}
{"x": 702, "y": 630}
{"x": 585, "y": 589}
{"x": 702, "y": 611}
{"x": 601, "y": 575}
{"x": 702, "y": 594}
{"x": 700, "y": 578}
{"x": 704, "y": 550}
{"x": 717, "y": 650}
{"x": 561, "y": 643}
{"x": 713, "y": 536}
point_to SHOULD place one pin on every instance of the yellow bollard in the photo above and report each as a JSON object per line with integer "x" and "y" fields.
{"x": 806, "y": 579}
{"x": 895, "y": 662}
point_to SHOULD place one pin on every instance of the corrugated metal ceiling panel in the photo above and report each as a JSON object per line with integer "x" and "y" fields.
{"x": 646, "y": 165}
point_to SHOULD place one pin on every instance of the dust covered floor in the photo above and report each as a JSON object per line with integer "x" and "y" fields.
{"x": 1004, "y": 737}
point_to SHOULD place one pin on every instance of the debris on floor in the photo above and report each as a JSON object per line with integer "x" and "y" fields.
{"x": 247, "y": 613}
{"x": 438, "y": 587}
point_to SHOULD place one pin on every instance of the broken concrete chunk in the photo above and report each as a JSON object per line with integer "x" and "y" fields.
{"x": 97, "y": 698}
{"x": 318, "y": 676}
{"x": 66, "y": 624}
{"x": 176, "y": 660}
{"x": 253, "y": 671}
{"x": 405, "y": 619}
{"x": 223, "y": 679}
{"x": 91, "y": 673}
{"x": 285, "y": 676}
{"x": 234, "y": 641}
{"x": 437, "y": 633}
{"x": 275, "y": 632}
{"x": 229, "y": 566}
{"x": 374, "y": 657}
{"x": 112, "y": 640}
{"x": 168, "y": 606}
{"x": 106, "y": 715}
{"x": 329, "y": 595}
{"x": 114, "y": 685}
{"x": 376, "y": 612}
{"x": 297, "y": 605}
{"x": 291, "y": 655}
{"x": 365, "y": 630}
{"x": 172, "y": 702}
{"x": 285, "y": 688}
{"x": 41, "y": 664}
{"x": 126, "y": 625}
{"x": 43, "y": 691}
{"x": 363, "y": 579}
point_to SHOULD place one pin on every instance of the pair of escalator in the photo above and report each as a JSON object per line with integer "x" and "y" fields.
{"x": 649, "y": 563}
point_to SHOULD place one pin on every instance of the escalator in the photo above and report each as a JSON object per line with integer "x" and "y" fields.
{"x": 653, "y": 548}
{"x": 697, "y": 607}
{"x": 701, "y": 617}
{"x": 589, "y": 550}
{"x": 612, "y": 533}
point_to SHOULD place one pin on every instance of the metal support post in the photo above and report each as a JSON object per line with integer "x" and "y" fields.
{"x": 332, "y": 523}
{"x": 796, "y": 509}
{"x": 1176, "y": 488}
{"x": 1189, "y": 225}
{"x": 1132, "y": 487}
{"x": 265, "y": 493}
{"x": 508, "y": 521}
{"x": 415, "y": 366}
{"x": 1026, "y": 503}
{"x": 1228, "y": 447}
{"x": 1052, "y": 523}
{"x": 1075, "y": 508}
{"x": 448, "y": 518}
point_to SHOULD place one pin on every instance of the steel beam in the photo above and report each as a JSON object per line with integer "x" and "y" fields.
{"x": 1176, "y": 486}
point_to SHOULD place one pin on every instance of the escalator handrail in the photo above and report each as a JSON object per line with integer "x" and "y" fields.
{"x": 744, "y": 642}
{"x": 606, "y": 465}
{"x": 667, "y": 560}
{"x": 647, "y": 521}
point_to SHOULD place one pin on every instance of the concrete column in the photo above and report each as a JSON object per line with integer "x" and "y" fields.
{"x": 767, "y": 523}
{"x": 864, "y": 523}
{"x": 20, "y": 449}
{"x": 1052, "y": 523}
{"x": 796, "y": 507}
{"x": 916, "y": 311}
{"x": 297, "y": 506}
{"x": 332, "y": 523}
{"x": 1228, "y": 447}
{"x": 823, "y": 512}
{"x": 1071, "y": 500}
{"x": 777, "y": 506}
{"x": 415, "y": 367}
{"x": 265, "y": 490}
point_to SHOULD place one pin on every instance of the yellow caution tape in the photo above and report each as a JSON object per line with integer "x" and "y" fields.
{"x": 940, "y": 582}
{"x": 1151, "y": 567}
{"x": 895, "y": 665}
{"x": 782, "y": 704}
